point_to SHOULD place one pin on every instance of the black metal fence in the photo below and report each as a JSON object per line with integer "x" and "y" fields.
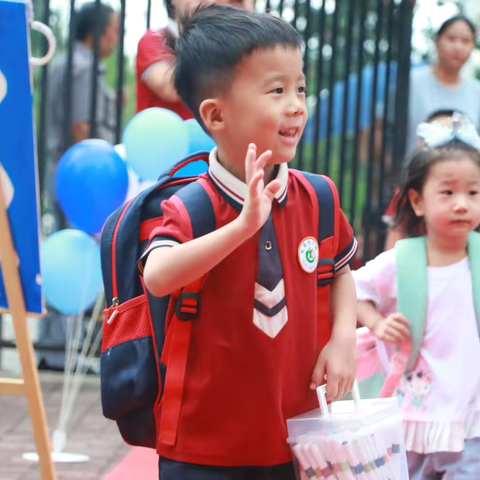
{"x": 357, "y": 61}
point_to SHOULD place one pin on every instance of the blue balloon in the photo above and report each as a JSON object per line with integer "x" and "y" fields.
{"x": 91, "y": 183}
{"x": 71, "y": 271}
{"x": 155, "y": 140}
{"x": 192, "y": 169}
{"x": 198, "y": 140}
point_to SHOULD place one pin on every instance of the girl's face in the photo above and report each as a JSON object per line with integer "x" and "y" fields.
{"x": 455, "y": 46}
{"x": 450, "y": 200}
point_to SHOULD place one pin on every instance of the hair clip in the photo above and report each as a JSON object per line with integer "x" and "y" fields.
{"x": 437, "y": 135}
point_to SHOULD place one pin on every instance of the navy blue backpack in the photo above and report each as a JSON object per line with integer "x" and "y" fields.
{"x": 146, "y": 338}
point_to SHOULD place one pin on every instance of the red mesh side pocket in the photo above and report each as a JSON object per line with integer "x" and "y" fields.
{"x": 129, "y": 323}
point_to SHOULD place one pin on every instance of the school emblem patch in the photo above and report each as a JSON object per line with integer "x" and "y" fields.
{"x": 308, "y": 254}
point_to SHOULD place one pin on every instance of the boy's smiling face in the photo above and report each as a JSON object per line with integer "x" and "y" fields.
{"x": 265, "y": 104}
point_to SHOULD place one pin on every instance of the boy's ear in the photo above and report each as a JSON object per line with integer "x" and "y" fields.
{"x": 212, "y": 115}
{"x": 416, "y": 201}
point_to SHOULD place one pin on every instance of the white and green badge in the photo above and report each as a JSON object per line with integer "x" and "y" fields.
{"x": 308, "y": 254}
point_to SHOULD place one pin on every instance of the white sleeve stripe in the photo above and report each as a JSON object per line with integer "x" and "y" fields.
{"x": 158, "y": 244}
{"x": 161, "y": 243}
{"x": 341, "y": 263}
{"x": 155, "y": 244}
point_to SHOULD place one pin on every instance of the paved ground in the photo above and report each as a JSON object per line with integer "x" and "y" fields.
{"x": 89, "y": 433}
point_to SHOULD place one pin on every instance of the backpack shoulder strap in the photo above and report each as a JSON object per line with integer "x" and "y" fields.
{"x": 199, "y": 208}
{"x": 326, "y": 199}
{"x": 198, "y": 205}
{"x": 474, "y": 257}
{"x": 412, "y": 285}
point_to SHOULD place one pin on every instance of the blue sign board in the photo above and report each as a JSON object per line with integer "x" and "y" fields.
{"x": 18, "y": 162}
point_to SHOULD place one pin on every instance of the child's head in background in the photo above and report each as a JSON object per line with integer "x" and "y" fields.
{"x": 241, "y": 75}
{"x": 441, "y": 188}
{"x": 443, "y": 116}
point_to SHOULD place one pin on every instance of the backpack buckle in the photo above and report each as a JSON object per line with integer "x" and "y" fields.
{"x": 326, "y": 275}
{"x": 187, "y": 306}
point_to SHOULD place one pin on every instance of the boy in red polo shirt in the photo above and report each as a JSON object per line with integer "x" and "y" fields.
{"x": 254, "y": 358}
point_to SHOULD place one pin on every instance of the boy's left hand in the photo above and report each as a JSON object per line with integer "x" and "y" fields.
{"x": 337, "y": 364}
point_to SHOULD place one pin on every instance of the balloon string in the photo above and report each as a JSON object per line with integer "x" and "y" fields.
{"x": 68, "y": 358}
{"x": 84, "y": 361}
{"x": 80, "y": 377}
{"x": 72, "y": 347}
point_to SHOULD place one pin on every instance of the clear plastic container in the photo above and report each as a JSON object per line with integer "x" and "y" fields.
{"x": 349, "y": 440}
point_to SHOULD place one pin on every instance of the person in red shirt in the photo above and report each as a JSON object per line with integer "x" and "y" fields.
{"x": 154, "y": 61}
{"x": 257, "y": 351}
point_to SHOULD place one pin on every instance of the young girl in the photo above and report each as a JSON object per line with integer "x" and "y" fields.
{"x": 397, "y": 232}
{"x": 440, "y": 397}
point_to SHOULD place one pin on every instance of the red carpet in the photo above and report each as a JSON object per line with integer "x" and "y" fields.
{"x": 140, "y": 463}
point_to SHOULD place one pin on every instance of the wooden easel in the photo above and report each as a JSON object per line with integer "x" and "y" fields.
{"x": 29, "y": 385}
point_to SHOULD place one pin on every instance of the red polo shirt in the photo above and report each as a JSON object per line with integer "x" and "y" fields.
{"x": 151, "y": 52}
{"x": 247, "y": 371}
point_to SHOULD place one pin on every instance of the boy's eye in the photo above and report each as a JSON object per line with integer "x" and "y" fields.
{"x": 301, "y": 89}
{"x": 446, "y": 192}
{"x": 278, "y": 90}
{"x": 473, "y": 192}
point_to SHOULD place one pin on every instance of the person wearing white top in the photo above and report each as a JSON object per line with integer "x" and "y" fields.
{"x": 440, "y": 396}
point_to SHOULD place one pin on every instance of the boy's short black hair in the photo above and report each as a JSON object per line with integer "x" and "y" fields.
{"x": 90, "y": 17}
{"x": 213, "y": 40}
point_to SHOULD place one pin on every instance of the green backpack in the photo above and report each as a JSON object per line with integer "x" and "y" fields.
{"x": 412, "y": 302}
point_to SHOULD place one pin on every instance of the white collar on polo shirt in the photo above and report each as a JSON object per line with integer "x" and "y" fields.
{"x": 235, "y": 188}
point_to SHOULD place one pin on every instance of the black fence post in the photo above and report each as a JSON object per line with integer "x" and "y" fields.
{"x": 372, "y": 157}
{"x": 331, "y": 87}
{"x": 149, "y": 13}
{"x": 120, "y": 74}
{"x": 95, "y": 66}
{"x": 346, "y": 93}
{"x": 386, "y": 124}
{"x": 358, "y": 111}
{"x": 42, "y": 127}
{"x": 306, "y": 65}
{"x": 67, "y": 132}
{"x": 317, "y": 123}
{"x": 403, "y": 79}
